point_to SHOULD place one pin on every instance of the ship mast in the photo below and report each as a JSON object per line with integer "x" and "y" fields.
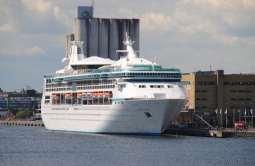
{"x": 129, "y": 44}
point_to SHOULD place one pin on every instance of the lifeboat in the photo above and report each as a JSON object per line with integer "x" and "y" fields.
{"x": 79, "y": 95}
{"x": 68, "y": 95}
{"x": 55, "y": 96}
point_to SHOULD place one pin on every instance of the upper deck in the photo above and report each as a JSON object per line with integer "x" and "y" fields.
{"x": 153, "y": 73}
{"x": 128, "y": 68}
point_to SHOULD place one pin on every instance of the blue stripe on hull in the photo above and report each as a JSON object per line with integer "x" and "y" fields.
{"x": 111, "y": 133}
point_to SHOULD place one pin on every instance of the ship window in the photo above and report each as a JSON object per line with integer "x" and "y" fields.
{"x": 47, "y": 101}
{"x": 78, "y": 50}
{"x": 85, "y": 102}
{"x": 68, "y": 101}
{"x": 90, "y": 102}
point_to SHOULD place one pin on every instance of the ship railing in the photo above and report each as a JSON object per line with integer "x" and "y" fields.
{"x": 93, "y": 71}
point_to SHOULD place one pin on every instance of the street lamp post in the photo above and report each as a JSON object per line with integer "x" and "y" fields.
{"x": 217, "y": 117}
{"x": 234, "y": 116}
{"x": 227, "y": 104}
{"x": 252, "y": 117}
{"x": 226, "y": 112}
{"x": 245, "y": 105}
{"x": 239, "y": 115}
{"x": 221, "y": 119}
{"x": 245, "y": 115}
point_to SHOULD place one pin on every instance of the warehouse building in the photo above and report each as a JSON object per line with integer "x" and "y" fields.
{"x": 102, "y": 36}
{"x": 230, "y": 95}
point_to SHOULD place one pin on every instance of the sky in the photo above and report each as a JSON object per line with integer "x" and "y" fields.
{"x": 188, "y": 34}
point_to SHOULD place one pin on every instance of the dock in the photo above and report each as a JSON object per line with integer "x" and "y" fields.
{"x": 218, "y": 133}
{"x": 21, "y": 123}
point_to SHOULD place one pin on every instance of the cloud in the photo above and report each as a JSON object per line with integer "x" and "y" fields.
{"x": 7, "y": 28}
{"x": 61, "y": 16}
{"x": 32, "y": 51}
{"x": 40, "y": 6}
{"x": 155, "y": 22}
{"x": 227, "y": 4}
{"x": 189, "y": 34}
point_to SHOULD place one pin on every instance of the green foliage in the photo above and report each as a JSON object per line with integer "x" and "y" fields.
{"x": 13, "y": 111}
{"x": 23, "y": 114}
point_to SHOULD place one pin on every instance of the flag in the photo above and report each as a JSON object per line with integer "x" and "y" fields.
{"x": 226, "y": 112}
{"x": 245, "y": 111}
{"x": 251, "y": 110}
{"x": 220, "y": 111}
{"x": 216, "y": 111}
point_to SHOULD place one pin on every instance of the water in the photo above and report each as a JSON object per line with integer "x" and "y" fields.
{"x": 32, "y": 146}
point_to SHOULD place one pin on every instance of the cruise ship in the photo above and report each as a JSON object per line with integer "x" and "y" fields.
{"x": 97, "y": 95}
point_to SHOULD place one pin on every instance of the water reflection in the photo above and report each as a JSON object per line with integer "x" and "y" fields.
{"x": 36, "y": 146}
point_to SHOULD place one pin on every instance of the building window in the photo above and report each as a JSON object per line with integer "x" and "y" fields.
{"x": 206, "y": 83}
{"x": 226, "y": 83}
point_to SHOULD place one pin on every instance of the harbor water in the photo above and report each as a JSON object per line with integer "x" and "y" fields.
{"x": 36, "y": 146}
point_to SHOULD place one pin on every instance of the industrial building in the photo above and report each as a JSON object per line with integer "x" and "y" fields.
{"x": 213, "y": 92}
{"x": 102, "y": 36}
{"x": 25, "y": 99}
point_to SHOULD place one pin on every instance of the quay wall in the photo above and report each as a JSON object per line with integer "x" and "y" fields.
{"x": 21, "y": 123}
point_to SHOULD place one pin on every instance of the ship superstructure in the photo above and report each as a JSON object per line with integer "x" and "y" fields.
{"x": 131, "y": 95}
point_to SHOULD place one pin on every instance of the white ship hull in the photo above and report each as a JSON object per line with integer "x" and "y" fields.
{"x": 148, "y": 116}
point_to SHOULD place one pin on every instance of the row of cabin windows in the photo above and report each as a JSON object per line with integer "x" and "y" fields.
{"x": 158, "y": 75}
{"x": 81, "y": 87}
{"x": 156, "y": 86}
{"x": 152, "y": 75}
{"x": 152, "y": 80}
{"x": 104, "y": 82}
{"x": 81, "y": 101}
{"x": 164, "y": 75}
{"x": 96, "y": 87}
{"x": 93, "y": 82}
{"x": 74, "y": 99}
{"x": 81, "y": 83}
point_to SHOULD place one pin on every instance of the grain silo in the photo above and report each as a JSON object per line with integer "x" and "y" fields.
{"x": 103, "y": 36}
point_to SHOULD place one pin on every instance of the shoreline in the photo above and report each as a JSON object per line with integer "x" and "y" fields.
{"x": 29, "y": 123}
{"x": 219, "y": 133}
